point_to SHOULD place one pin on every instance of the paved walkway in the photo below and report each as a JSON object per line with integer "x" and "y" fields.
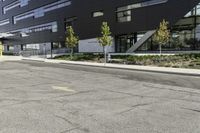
{"x": 182, "y": 71}
{"x": 10, "y": 58}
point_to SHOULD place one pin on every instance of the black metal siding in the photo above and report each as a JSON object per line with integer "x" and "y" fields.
{"x": 143, "y": 19}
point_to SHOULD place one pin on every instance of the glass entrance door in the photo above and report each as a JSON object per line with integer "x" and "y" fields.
{"x": 124, "y": 43}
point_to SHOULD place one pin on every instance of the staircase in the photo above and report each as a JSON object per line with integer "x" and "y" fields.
{"x": 141, "y": 41}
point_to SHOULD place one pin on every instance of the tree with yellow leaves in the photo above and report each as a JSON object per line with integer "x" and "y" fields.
{"x": 162, "y": 35}
{"x": 1, "y": 49}
{"x": 71, "y": 40}
{"x": 105, "y": 39}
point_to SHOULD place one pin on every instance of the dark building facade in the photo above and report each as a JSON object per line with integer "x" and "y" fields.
{"x": 40, "y": 25}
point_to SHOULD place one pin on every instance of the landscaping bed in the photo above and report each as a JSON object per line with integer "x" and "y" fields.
{"x": 89, "y": 57}
{"x": 175, "y": 61}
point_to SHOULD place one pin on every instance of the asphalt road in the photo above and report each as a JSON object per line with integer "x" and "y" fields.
{"x": 40, "y": 97}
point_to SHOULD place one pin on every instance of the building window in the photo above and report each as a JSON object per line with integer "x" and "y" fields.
{"x": 195, "y": 11}
{"x": 32, "y": 46}
{"x": 17, "y": 3}
{"x": 52, "y": 26}
{"x": 4, "y": 22}
{"x": 10, "y": 48}
{"x": 56, "y": 45}
{"x": 40, "y": 12}
{"x": 69, "y": 21}
{"x": 97, "y": 14}
{"x": 124, "y": 13}
{"x": 23, "y": 2}
{"x": 124, "y": 16}
{"x": 23, "y": 34}
{"x": 142, "y": 4}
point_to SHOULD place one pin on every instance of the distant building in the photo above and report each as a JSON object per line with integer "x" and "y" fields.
{"x": 39, "y": 26}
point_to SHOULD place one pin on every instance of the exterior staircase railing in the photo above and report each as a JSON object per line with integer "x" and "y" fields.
{"x": 141, "y": 41}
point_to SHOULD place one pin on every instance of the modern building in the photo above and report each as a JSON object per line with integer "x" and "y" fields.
{"x": 39, "y": 26}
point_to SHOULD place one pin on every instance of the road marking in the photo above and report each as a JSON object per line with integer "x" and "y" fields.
{"x": 63, "y": 88}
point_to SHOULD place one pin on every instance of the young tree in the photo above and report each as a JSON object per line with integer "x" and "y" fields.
{"x": 71, "y": 40}
{"x": 1, "y": 49}
{"x": 105, "y": 39}
{"x": 162, "y": 35}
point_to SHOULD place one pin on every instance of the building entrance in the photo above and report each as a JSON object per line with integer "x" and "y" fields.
{"x": 124, "y": 42}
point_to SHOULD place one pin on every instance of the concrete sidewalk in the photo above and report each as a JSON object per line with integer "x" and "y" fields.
{"x": 10, "y": 58}
{"x": 180, "y": 71}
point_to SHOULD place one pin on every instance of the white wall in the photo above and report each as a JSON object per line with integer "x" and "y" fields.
{"x": 92, "y": 45}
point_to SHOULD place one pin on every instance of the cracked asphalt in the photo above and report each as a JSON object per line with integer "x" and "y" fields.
{"x": 38, "y": 97}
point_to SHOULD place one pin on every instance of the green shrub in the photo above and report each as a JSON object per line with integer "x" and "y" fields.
{"x": 9, "y": 54}
{"x": 179, "y": 60}
{"x": 81, "y": 57}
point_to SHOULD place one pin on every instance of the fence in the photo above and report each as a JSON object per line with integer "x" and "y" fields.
{"x": 43, "y": 54}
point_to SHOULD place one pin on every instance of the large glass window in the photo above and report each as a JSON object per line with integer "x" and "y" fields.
{"x": 10, "y": 48}
{"x": 52, "y": 26}
{"x": 40, "y": 12}
{"x": 124, "y": 42}
{"x": 124, "y": 13}
{"x": 195, "y": 11}
{"x": 14, "y": 4}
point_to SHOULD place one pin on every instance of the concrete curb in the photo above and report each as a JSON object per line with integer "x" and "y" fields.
{"x": 178, "y": 71}
{"x": 10, "y": 58}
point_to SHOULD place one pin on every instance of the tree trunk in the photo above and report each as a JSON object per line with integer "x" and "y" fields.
{"x": 51, "y": 50}
{"x": 103, "y": 49}
{"x": 160, "y": 49}
{"x": 71, "y": 54}
{"x": 105, "y": 58}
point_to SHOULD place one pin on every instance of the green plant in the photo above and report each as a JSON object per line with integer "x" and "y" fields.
{"x": 71, "y": 40}
{"x": 1, "y": 48}
{"x": 105, "y": 39}
{"x": 178, "y": 61}
{"x": 162, "y": 35}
